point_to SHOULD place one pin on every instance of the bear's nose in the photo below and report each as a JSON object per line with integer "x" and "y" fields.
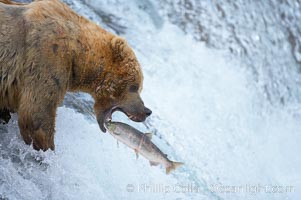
{"x": 147, "y": 111}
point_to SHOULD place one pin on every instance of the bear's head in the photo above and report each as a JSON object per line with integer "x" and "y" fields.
{"x": 119, "y": 85}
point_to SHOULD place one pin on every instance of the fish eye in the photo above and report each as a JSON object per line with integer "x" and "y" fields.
{"x": 133, "y": 88}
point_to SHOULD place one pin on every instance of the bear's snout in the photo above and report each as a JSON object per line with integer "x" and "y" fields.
{"x": 147, "y": 111}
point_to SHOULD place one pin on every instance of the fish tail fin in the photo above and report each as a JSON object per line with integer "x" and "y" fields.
{"x": 173, "y": 166}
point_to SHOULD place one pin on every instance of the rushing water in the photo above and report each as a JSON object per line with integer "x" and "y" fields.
{"x": 222, "y": 79}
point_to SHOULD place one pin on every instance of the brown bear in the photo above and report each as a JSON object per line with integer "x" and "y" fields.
{"x": 46, "y": 49}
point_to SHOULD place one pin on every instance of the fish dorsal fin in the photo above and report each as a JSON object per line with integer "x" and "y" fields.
{"x": 149, "y": 135}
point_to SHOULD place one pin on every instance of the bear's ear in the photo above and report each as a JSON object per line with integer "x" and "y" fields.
{"x": 120, "y": 48}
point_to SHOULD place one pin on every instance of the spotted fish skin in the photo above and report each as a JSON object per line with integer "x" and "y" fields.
{"x": 141, "y": 143}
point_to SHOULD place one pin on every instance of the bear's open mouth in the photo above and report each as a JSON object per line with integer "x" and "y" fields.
{"x": 108, "y": 115}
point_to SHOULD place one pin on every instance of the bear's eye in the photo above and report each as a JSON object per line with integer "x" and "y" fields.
{"x": 134, "y": 88}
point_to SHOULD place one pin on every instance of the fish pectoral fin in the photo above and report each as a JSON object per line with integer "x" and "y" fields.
{"x": 152, "y": 163}
{"x": 149, "y": 135}
{"x": 137, "y": 153}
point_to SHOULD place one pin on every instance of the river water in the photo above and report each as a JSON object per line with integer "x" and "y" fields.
{"x": 223, "y": 81}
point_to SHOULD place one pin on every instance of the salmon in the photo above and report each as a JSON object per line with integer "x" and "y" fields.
{"x": 142, "y": 144}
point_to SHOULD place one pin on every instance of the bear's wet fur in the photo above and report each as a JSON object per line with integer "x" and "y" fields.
{"x": 46, "y": 49}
